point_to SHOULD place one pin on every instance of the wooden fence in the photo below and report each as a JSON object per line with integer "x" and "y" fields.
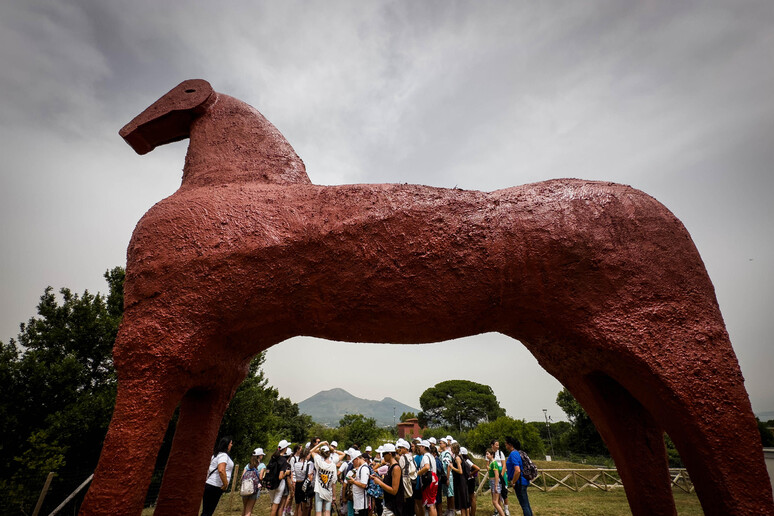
{"x": 602, "y": 478}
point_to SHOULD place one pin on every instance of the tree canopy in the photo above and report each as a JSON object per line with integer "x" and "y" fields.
{"x": 58, "y": 391}
{"x": 459, "y": 404}
{"x": 358, "y": 429}
{"x": 480, "y": 437}
{"x": 583, "y": 438}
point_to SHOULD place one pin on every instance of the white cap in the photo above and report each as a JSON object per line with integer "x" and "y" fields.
{"x": 449, "y": 438}
{"x": 418, "y": 438}
{"x": 258, "y": 451}
{"x": 424, "y": 443}
{"x": 288, "y": 451}
{"x": 368, "y": 448}
{"x": 283, "y": 444}
{"x": 308, "y": 445}
{"x": 453, "y": 441}
{"x": 432, "y": 440}
{"x": 402, "y": 443}
{"x": 463, "y": 450}
{"x": 388, "y": 448}
{"x": 324, "y": 447}
{"x": 354, "y": 454}
{"x": 334, "y": 443}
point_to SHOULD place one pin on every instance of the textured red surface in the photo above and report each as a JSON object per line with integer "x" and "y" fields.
{"x": 600, "y": 281}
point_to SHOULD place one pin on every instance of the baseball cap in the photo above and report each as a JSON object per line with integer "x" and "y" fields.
{"x": 432, "y": 440}
{"x": 425, "y": 443}
{"x": 354, "y": 454}
{"x": 283, "y": 444}
{"x": 334, "y": 444}
{"x": 368, "y": 448}
{"x": 388, "y": 448}
{"x": 324, "y": 447}
{"x": 258, "y": 451}
{"x": 463, "y": 450}
{"x": 402, "y": 443}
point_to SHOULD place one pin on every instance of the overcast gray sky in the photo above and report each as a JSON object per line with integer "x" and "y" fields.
{"x": 673, "y": 98}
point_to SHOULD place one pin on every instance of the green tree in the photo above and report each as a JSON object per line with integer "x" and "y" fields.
{"x": 358, "y": 429}
{"x": 767, "y": 438}
{"x": 58, "y": 392}
{"x": 479, "y": 438}
{"x": 459, "y": 404}
{"x": 407, "y": 415}
{"x": 583, "y": 438}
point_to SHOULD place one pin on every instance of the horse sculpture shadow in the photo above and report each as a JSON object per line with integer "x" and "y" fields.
{"x": 600, "y": 281}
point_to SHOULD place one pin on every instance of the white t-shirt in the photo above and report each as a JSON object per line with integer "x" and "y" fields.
{"x": 500, "y": 457}
{"x": 325, "y": 477}
{"x": 214, "y": 477}
{"x": 427, "y": 458}
{"x": 359, "y": 500}
{"x": 301, "y": 469}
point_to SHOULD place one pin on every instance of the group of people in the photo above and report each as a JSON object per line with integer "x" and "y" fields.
{"x": 400, "y": 479}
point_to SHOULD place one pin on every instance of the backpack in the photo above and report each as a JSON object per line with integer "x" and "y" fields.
{"x": 528, "y": 468}
{"x": 271, "y": 479}
{"x": 440, "y": 470}
{"x": 373, "y": 489}
{"x": 249, "y": 483}
{"x": 408, "y": 475}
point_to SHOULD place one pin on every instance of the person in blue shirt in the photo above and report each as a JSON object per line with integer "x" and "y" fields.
{"x": 513, "y": 466}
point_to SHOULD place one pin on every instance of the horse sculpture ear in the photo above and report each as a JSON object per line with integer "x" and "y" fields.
{"x": 169, "y": 119}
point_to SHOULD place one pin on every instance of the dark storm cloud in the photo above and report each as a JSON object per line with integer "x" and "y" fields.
{"x": 672, "y": 98}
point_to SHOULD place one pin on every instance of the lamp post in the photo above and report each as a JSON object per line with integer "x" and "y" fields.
{"x": 550, "y": 441}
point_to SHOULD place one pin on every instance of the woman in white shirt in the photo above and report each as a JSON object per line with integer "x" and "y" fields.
{"x": 218, "y": 476}
{"x": 325, "y": 477}
{"x": 430, "y": 491}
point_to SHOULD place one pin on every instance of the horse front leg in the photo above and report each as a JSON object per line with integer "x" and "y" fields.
{"x": 201, "y": 412}
{"x": 148, "y": 394}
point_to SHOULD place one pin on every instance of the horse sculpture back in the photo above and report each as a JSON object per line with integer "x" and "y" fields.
{"x": 600, "y": 281}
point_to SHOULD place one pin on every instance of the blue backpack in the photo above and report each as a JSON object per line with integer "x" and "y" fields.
{"x": 373, "y": 489}
{"x": 441, "y": 472}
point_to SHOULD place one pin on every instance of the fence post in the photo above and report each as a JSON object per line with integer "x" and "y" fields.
{"x": 43, "y": 493}
{"x": 481, "y": 485}
{"x": 233, "y": 486}
{"x": 72, "y": 495}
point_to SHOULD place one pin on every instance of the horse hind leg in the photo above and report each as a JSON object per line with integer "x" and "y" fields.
{"x": 635, "y": 441}
{"x": 685, "y": 383}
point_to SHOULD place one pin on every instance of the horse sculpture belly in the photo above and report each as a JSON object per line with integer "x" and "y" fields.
{"x": 599, "y": 281}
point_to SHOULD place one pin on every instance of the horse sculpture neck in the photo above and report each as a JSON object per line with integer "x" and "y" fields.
{"x": 231, "y": 142}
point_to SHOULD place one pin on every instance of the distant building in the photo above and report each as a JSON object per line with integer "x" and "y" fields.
{"x": 409, "y": 429}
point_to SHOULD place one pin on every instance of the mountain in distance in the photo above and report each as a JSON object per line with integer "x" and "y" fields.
{"x": 328, "y": 407}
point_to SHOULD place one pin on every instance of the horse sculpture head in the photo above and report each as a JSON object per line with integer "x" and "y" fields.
{"x": 169, "y": 119}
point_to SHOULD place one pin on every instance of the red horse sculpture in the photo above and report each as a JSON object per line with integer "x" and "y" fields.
{"x": 601, "y": 282}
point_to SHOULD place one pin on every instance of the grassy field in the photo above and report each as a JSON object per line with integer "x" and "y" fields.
{"x": 560, "y": 502}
